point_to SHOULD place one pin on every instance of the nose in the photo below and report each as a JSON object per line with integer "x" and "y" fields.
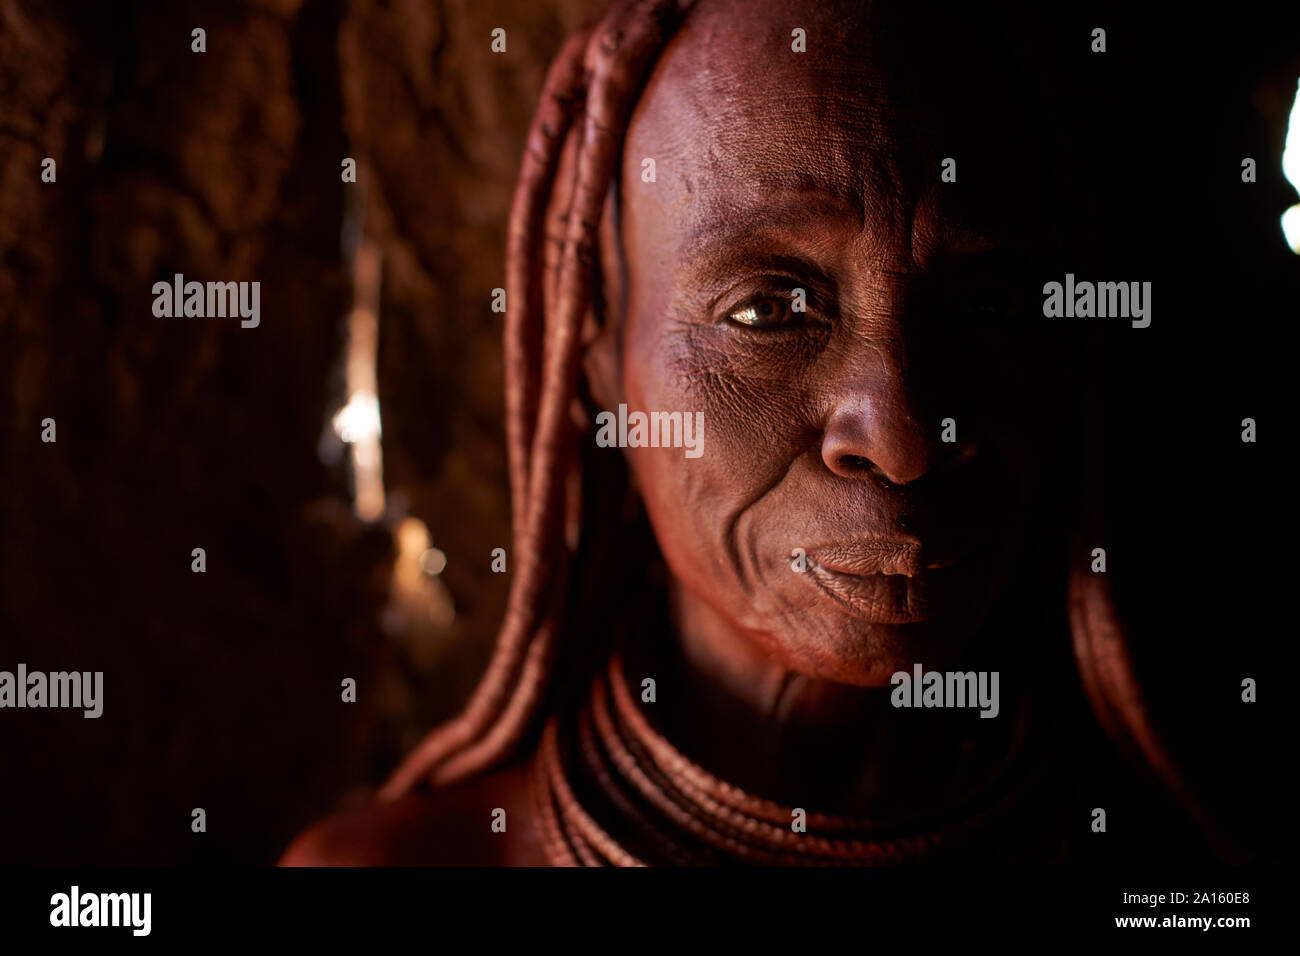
{"x": 879, "y": 427}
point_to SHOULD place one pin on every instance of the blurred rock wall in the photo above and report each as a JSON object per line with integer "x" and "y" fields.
{"x": 222, "y": 688}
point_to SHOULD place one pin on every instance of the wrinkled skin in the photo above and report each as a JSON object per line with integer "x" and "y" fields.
{"x": 822, "y": 429}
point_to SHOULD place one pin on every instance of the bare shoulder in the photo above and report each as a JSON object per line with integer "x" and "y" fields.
{"x": 451, "y": 827}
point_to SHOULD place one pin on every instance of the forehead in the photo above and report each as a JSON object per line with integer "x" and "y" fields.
{"x": 746, "y": 131}
{"x": 730, "y": 92}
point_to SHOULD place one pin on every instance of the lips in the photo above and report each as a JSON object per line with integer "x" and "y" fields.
{"x": 887, "y": 556}
{"x": 887, "y": 580}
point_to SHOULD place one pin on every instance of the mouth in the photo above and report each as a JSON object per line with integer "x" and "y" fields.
{"x": 888, "y": 556}
{"x": 887, "y": 580}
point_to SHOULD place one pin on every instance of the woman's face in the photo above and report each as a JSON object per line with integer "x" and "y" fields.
{"x": 823, "y": 430}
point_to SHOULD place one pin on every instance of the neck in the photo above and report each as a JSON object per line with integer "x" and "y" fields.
{"x": 747, "y": 717}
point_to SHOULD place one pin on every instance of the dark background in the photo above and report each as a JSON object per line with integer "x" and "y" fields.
{"x": 222, "y": 689}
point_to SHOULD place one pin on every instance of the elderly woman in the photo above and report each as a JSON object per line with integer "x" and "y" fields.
{"x": 815, "y": 230}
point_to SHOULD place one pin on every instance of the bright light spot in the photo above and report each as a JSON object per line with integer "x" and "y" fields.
{"x": 1291, "y": 151}
{"x": 412, "y": 538}
{"x": 1291, "y": 170}
{"x": 358, "y": 420}
{"x": 1291, "y": 228}
{"x": 418, "y": 600}
{"x": 433, "y": 561}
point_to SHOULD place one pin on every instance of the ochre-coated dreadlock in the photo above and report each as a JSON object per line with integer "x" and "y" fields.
{"x": 585, "y": 105}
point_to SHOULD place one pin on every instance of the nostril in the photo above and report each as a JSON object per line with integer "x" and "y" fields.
{"x": 857, "y": 466}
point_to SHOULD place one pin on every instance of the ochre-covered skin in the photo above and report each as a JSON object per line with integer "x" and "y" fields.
{"x": 449, "y": 827}
{"x": 822, "y": 431}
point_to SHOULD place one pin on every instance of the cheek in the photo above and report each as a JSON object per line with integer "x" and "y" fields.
{"x": 751, "y": 434}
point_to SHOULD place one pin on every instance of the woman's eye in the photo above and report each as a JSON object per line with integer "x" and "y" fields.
{"x": 763, "y": 312}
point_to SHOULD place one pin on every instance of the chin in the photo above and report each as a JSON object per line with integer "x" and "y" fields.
{"x": 847, "y": 650}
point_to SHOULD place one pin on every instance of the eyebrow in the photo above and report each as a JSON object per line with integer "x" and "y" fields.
{"x": 734, "y": 233}
{"x": 781, "y": 217}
